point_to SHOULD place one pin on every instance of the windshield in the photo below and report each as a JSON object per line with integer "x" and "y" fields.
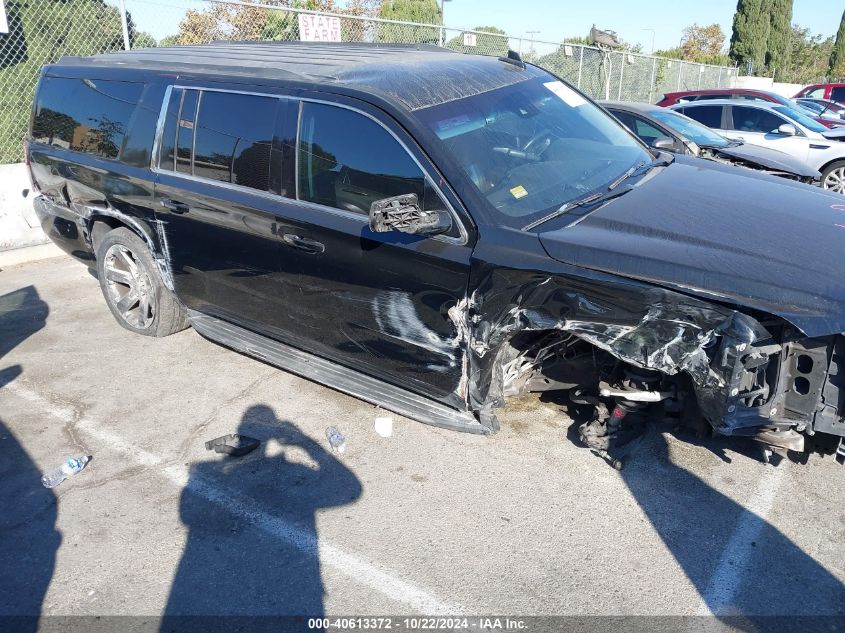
{"x": 531, "y": 147}
{"x": 801, "y": 118}
{"x": 693, "y": 130}
{"x": 811, "y": 105}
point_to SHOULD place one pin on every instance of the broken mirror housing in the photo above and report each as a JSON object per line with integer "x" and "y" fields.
{"x": 403, "y": 214}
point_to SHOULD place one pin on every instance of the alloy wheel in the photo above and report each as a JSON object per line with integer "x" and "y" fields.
{"x": 835, "y": 180}
{"x": 129, "y": 286}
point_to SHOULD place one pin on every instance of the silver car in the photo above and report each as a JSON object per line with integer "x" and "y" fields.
{"x": 778, "y": 127}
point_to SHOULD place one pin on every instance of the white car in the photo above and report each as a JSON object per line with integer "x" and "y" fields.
{"x": 779, "y": 127}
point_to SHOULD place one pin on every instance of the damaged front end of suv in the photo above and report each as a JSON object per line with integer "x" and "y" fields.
{"x": 635, "y": 353}
{"x": 640, "y": 283}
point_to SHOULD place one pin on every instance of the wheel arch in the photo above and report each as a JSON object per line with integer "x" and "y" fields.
{"x": 840, "y": 159}
{"x": 101, "y": 221}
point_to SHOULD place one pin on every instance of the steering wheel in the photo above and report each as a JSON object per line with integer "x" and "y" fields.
{"x": 538, "y": 143}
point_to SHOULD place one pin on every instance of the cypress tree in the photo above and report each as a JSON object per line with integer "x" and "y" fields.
{"x": 837, "y": 57}
{"x": 421, "y": 11}
{"x": 751, "y": 32}
{"x": 779, "y": 42}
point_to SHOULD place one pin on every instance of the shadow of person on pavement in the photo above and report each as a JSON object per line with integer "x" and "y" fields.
{"x": 28, "y": 536}
{"x": 252, "y": 544}
{"x": 745, "y": 570}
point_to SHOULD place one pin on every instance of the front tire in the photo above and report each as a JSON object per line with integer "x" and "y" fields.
{"x": 833, "y": 177}
{"x": 133, "y": 287}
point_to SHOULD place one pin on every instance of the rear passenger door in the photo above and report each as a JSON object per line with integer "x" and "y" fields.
{"x": 219, "y": 198}
{"x": 759, "y": 126}
{"x": 381, "y": 302}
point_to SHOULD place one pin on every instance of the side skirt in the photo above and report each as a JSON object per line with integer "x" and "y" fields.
{"x": 335, "y": 376}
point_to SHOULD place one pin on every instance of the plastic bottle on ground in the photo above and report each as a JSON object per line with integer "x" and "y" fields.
{"x": 71, "y": 466}
{"x": 336, "y": 439}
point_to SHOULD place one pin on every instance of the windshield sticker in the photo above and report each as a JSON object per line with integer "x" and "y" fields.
{"x": 565, "y": 93}
{"x": 519, "y": 192}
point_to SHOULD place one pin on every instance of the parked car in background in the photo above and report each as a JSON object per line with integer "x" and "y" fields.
{"x": 672, "y": 98}
{"x": 668, "y": 130}
{"x": 778, "y": 127}
{"x": 828, "y": 107}
{"x": 436, "y": 232}
{"x": 834, "y": 92}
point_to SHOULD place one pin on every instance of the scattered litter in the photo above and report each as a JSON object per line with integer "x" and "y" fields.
{"x": 233, "y": 444}
{"x": 336, "y": 439}
{"x": 71, "y": 466}
{"x": 384, "y": 426}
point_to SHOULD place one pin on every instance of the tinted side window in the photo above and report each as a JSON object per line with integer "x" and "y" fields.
{"x": 85, "y": 115}
{"x": 755, "y": 120}
{"x": 625, "y": 119}
{"x": 646, "y": 131}
{"x": 137, "y": 147}
{"x": 711, "y": 116}
{"x": 837, "y": 94}
{"x": 347, "y": 161}
{"x": 234, "y": 134}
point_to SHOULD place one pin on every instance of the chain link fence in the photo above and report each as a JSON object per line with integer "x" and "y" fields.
{"x": 42, "y": 31}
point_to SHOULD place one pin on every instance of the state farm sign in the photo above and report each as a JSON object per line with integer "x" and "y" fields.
{"x": 318, "y": 28}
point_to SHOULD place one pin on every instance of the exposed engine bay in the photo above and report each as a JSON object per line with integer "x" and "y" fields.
{"x": 767, "y": 383}
{"x": 712, "y": 153}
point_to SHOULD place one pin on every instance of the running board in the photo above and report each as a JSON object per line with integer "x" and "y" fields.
{"x": 335, "y": 376}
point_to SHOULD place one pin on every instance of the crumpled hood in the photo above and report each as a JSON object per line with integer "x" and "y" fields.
{"x": 729, "y": 235}
{"x": 768, "y": 158}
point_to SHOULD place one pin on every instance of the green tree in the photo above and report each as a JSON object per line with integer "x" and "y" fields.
{"x": 809, "y": 56}
{"x": 836, "y": 67}
{"x": 577, "y": 39}
{"x": 40, "y": 32}
{"x": 700, "y": 42}
{"x": 750, "y": 34}
{"x": 420, "y": 11}
{"x": 778, "y": 43}
{"x": 142, "y": 39}
{"x": 495, "y": 44}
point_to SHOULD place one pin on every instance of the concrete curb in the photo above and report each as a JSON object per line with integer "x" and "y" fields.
{"x": 27, "y": 254}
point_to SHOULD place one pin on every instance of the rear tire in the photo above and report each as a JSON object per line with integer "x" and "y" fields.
{"x": 133, "y": 287}
{"x": 833, "y": 177}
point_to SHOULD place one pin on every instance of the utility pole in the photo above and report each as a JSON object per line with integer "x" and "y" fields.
{"x": 442, "y": 21}
{"x": 532, "y": 34}
{"x": 652, "y": 38}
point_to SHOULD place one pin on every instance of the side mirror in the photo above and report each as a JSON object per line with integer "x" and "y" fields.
{"x": 664, "y": 143}
{"x": 787, "y": 129}
{"x": 403, "y": 214}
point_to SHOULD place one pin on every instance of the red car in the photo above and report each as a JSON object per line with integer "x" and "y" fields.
{"x": 834, "y": 92}
{"x": 671, "y": 98}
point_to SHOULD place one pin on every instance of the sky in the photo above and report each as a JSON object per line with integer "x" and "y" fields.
{"x": 556, "y": 19}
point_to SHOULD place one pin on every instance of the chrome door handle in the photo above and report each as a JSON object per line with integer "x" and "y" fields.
{"x": 174, "y": 205}
{"x": 303, "y": 243}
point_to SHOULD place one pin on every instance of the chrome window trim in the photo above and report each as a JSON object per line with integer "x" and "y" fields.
{"x": 296, "y": 151}
{"x": 178, "y": 127}
{"x": 462, "y": 240}
{"x": 194, "y": 132}
{"x": 162, "y": 113}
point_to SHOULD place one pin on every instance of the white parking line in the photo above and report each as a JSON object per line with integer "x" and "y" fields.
{"x": 381, "y": 581}
{"x": 730, "y": 572}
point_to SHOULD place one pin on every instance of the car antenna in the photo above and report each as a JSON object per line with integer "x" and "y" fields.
{"x": 513, "y": 58}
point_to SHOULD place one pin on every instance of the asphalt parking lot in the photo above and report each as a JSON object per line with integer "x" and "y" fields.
{"x": 426, "y": 521}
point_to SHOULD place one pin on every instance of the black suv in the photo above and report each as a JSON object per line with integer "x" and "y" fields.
{"x": 435, "y": 232}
